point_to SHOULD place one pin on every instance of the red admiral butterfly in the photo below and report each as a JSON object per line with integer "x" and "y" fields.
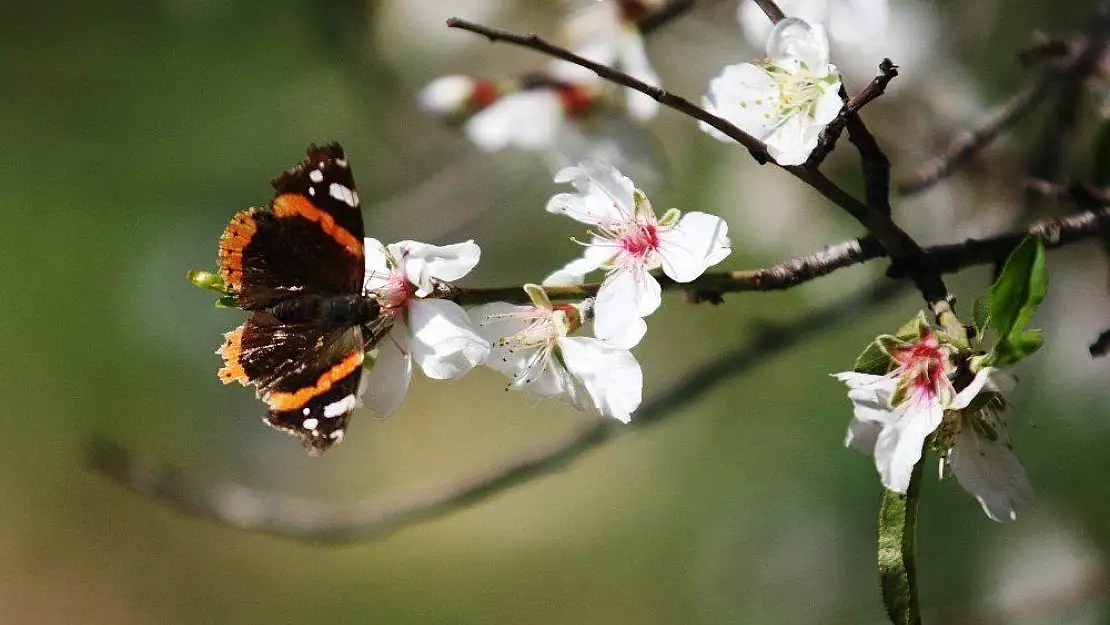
{"x": 299, "y": 268}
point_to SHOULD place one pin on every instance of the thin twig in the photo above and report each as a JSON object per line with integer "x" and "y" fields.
{"x": 831, "y": 134}
{"x": 245, "y": 508}
{"x": 771, "y": 10}
{"x": 971, "y": 142}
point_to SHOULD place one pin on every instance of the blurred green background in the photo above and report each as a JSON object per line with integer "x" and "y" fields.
{"x": 133, "y": 131}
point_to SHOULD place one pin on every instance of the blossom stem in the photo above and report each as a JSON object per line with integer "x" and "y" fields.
{"x": 897, "y": 551}
{"x": 771, "y": 10}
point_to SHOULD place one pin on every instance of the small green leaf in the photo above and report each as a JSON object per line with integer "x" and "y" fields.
{"x": 1015, "y": 348}
{"x": 981, "y": 313}
{"x": 670, "y": 217}
{"x": 914, "y": 328}
{"x": 227, "y": 301}
{"x": 207, "y": 280}
{"x": 874, "y": 359}
{"x": 897, "y": 555}
{"x": 538, "y": 296}
{"x": 1020, "y": 289}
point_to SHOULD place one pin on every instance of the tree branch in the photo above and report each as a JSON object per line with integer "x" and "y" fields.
{"x": 241, "y": 507}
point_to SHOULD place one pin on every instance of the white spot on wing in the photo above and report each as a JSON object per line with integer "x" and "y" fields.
{"x": 316, "y": 175}
{"x": 342, "y": 162}
{"x": 310, "y": 424}
{"x": 312, "y": 191}
{"x": 337, "y": 408}
{"x": 307, "y": 411}
{"x": 343, "y": 194}
{"x": 337, "y": 435}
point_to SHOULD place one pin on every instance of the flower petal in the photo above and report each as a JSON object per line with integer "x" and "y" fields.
{"x": 990, "y": 471}
{"x": 634, "y": 61}
{"x": 696, "y": 242}
{"x": 900, "y": 444}
{"x": 604, "y": 194}
{"x": 964, "y": 397}
{"x": 529, "y": 120}
{"x": 574, "y": 272}
{"x": 378, "y": 268}
{"x": 421, "y": 262}
{"x": 387, "y": 381}
{"x": 626, "y": 296}
{"x": 862, "y": 435}
{"x": 794, "y": 38}
{"x": 611, "y": 376}
{"x": 443, "y": 343}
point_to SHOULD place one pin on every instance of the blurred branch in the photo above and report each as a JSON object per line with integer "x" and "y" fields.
{"x": 970, "y": 142}
{"x": 244, "y": 508}
{"x": 1101, "y": 346}
{"x": 670, "y": 12}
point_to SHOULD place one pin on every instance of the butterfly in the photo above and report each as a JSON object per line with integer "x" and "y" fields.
{"x": 298, "y": 266}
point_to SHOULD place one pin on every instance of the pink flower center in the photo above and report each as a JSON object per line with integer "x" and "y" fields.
{"x": 641, "y": 240}
{"x": 925, "y": 363}
{"x": 396, "y": 292}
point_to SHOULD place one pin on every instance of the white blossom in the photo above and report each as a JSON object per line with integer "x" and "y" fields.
{"x": 532, "y": 346}
{"x": 436, "y": 333}
{"x": 628, "y": 242}
{"x": 895, "y": 414}
{"x": 785, "y": 101}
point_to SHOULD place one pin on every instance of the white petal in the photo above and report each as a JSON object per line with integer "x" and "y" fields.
{"x": 529, "y": 120}
{"x": 990, "y": 471}
{"x": 604, "y": 194}
{"x": 611, "y": 376}
{"x": 378, "y": 268}
{"x": 696, "y": 242}
{"x": 743, "y": 94}
{"x": 446, "y": 95}
{"x": 855, "y": 379}
{"x": 900, "y": 444}
{"x": 964, "y": 397}
{"x": 422, "y": 262}
{"x": 626, "y": 296}
{"x": 574, "y": 272}
{"x": 794, "y": 38}
{"x": 387, "y": 382}
{"x": 862, "y": 435}
{"x": 443, "y": 343}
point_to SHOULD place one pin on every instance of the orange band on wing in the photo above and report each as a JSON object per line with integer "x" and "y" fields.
{"x": 289, "y": 204}
{"x": 232, "y": 350}
{"x": 296, "y": 399}
{"x": 235, "y": 238}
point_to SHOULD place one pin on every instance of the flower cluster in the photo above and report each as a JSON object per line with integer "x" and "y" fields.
{"x": 542, "y": 346}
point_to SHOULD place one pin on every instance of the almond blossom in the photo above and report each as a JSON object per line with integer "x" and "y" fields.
{"x": 897, "y": 413}
{"x": 785, "y": 101}
{"x": 532, "y": 345}
{"x": 436, "y": 333}
{"x": 628, "y": 242}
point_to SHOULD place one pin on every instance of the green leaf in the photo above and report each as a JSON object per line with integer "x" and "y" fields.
{"x": 913, "y": 329}
{"x": 897, "y": 555}
{"x": 1019, "y": 290}
{"x": 207, "y": 280}
{"x": 981, "y": 313}
{"x": 1015, "y": 348}
{"x": 873, "y": 360}
{"x": 227, "y": 301}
